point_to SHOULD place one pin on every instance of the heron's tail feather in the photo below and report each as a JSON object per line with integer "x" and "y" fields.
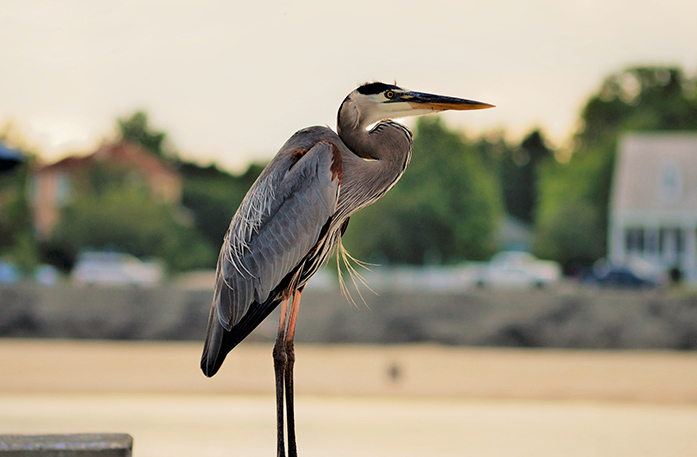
{"x": 219, "y": 342}
{"x": 213, "y": 353}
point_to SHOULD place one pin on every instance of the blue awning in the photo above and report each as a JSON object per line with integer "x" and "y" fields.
{"x": 9, "y": 158}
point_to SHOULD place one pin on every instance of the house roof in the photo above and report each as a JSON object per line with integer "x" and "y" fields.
{"x": 121, "y": 152}
{"x": 656, "y": 173}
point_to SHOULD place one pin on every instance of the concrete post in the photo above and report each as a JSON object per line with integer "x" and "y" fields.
{"x": 79, "y": 445}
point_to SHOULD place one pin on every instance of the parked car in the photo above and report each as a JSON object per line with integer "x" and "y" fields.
{"x": 114, "y": 268}
{"x": 518, "y": 269}
{"x": 622, "y": 277}
{"x": 636, "y": 273}
{"x": 46, "y": 275}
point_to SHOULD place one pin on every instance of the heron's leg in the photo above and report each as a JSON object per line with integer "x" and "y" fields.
{"x": 290, "y": 362}
{"x": 279, "y": 365}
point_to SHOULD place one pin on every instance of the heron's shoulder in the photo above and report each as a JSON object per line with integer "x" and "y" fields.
{"x": 310, "y": 136}
{"x": 318, "y": 131}
{"x": 301, "y": 142}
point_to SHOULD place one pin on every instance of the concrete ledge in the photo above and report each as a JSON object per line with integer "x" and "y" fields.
{"x": 78, "y": 445}
{"x": 568, "y": 316}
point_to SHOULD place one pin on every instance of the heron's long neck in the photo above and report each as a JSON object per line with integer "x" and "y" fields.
{"x": 379, "y": 159}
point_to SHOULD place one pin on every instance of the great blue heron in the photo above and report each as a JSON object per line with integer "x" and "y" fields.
{"x": 294, "y": 216}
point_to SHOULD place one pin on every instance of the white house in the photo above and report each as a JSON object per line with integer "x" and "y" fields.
{"x": 653, "y": 201}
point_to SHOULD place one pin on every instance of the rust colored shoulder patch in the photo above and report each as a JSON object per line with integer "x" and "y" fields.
{"x": 337, "y": 166}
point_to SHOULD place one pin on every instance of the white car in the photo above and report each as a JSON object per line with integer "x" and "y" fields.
{"x": 113, "y": 268}
{"x": 518, "y": 269}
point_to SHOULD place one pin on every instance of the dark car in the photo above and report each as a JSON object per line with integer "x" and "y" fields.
{"x": 622, "y": 277}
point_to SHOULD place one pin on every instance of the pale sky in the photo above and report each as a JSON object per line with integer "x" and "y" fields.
{"x": 230, "y": 81}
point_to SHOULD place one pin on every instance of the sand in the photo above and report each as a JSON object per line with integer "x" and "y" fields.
{"x": 357, "y": 400}
{"x": 406, "y": 370}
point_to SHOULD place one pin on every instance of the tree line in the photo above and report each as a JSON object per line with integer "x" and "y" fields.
{"x": 446, "y": 209}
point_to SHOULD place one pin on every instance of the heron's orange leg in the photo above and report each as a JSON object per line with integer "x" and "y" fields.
{"x": 279, "y": 366}
{"x": 290, "y": 362}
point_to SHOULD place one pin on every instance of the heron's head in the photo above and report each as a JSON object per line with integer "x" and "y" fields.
{"x": 376, "y": 101}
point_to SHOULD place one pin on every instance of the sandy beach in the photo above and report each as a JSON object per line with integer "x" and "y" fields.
{"x": 357, "y": 400}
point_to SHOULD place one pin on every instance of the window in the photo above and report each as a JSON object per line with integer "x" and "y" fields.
{"x": 634, "y": 240}
{"x": 670, "y": 239}
{"x": 670, "y": 182}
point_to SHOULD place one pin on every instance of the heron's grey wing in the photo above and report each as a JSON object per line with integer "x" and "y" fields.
{"x": 275, "y": 228}
{"x": 278, "y": 224}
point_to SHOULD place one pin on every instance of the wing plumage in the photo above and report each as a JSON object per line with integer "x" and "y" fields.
{"x": 279, "y": 223}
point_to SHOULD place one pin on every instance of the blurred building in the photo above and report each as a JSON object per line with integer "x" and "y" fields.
{"x": 653, "y": 203}
{"x": 53, "y": 186}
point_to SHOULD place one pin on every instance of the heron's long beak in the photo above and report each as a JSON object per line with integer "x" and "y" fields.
{"x": 422, "y": 101}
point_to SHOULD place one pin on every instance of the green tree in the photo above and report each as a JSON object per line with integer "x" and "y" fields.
{"x": 519, "y": 175}
{"x": 17, "y": 242}
{"x": 137, "y": 129}
{"x": 445, "y": 209}
{"x": 127, "y": 219}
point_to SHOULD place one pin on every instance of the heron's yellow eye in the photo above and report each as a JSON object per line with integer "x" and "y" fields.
{"x": 389, "y": 94}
